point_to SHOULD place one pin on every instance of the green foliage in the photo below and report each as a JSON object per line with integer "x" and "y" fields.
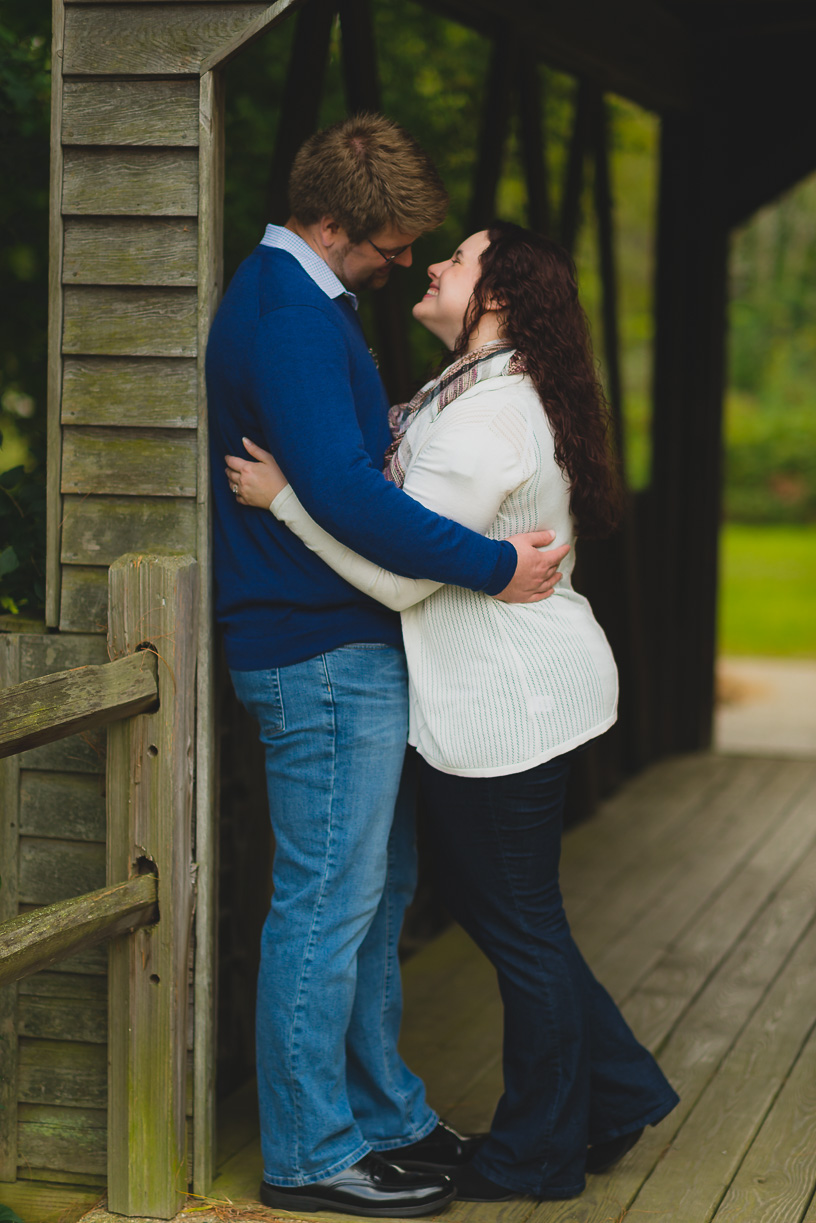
{"x": 768, "y": 591}
{"x": 25, "y": 40}
{"x": 770, "y": 462}
{"x": 22, "y": 553}
{"x": 7, "y": 1215}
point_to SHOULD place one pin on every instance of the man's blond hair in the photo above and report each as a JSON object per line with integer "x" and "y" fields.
{"x": 366, "y": 172}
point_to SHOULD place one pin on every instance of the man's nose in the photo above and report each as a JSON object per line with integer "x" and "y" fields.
{"x": 406, "y": 258}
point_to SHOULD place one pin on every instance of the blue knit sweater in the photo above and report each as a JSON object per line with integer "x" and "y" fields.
{"x": 289, "y": 368}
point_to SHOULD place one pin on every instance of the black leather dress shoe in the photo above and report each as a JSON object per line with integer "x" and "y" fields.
{"x": 604, "y": 1155}
{"x": 442, "y": 1148}
{"x": 369, "y": 1187}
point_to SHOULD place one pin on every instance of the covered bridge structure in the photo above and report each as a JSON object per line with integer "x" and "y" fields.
{"x": 136, "y": 275}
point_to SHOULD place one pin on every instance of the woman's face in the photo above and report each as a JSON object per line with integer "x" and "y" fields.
{"x": 442, "y": 309}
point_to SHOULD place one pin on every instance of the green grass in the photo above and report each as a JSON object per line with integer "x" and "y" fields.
{"x": 768, "y": 591}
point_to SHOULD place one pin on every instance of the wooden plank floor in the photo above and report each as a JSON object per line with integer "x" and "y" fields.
{"x": 693, "y": 895}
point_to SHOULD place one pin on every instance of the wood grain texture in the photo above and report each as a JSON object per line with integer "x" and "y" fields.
{"x": 76, "y": 1019}
{"x": 55, "y": 305}
{"x": 154, "y": 598}
{"x": 53, "y": 870}
{"x": 48, "y": 1203}
{"x": 65, "y": 805}
{"x": 210, "y": 263}
{"x": 130, "y": 251}
{"x": 130, "y": 112}
{"x": 154, "y": 393}
{"x": 130, "y": 322}
{"x": 40, "y": 654}
{"x": 9, "y": 892}
{"x": 139, "y": 462}
{"x": 97, "y": 530}
{"x": 84, "y": 601}
{"x": 63, "y": 1073}
{"x": 48, "y": 935}
{"x": 265, "y": 20}
{"x": 61, "y": 1138}
{"x": 55, "y": 706}
{"x": 126, "y": 39}
{"x": 130, "y": 182}
{"x": 62, "y": 985}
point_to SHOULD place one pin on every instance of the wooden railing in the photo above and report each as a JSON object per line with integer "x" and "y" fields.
{"x": 146, "y": 697}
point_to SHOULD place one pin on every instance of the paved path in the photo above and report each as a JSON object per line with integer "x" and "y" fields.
{"x": 766, "y": 706}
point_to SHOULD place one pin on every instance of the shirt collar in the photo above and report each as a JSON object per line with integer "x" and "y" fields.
{"x": 283, "y": 239}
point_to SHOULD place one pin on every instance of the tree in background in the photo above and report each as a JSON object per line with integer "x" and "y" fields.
{"x": 25, "y": 46}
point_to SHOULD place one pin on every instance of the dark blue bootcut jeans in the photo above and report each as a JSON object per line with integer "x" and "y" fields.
{"x": 573, "y": 1072}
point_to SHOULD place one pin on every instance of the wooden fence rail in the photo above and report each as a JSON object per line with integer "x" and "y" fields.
{"x": 150, "y": 869}
{"x": 55, "y": 706}
{"x": 34, "y": 941}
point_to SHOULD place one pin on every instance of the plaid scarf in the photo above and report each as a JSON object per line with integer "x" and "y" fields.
{"x": 489, "y": 361}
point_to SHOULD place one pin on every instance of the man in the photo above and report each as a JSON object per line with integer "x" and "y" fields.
{"x": 344, "y": 1123}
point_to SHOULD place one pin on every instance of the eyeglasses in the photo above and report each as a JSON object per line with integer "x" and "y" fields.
{"x": 394, "y": 255}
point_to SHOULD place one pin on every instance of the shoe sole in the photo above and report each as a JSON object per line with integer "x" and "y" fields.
{"x": 379, "y": 1211}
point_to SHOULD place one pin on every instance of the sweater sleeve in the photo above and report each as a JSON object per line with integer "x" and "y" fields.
{"x": 306, "y": 409}
{"x": 465, "y": 473}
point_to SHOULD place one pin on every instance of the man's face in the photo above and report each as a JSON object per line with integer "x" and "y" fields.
{"x": 367, "y": 264}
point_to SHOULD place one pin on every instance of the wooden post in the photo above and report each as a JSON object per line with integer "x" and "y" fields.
{"x": 360, "y": 77}
{"x": 616, "y": 579}
{"x": 9, "y": 859}
{"x": 210, "y": 274}
{"x": 533, "y": 144}
{"x": 302, "y": 95}
{"x": 570, "y": 216}
{"x": 682, "y": 510}
{"x": 152, "y": 599}
{"x": 494, "y": 127}
{"x": 55, "y": 321}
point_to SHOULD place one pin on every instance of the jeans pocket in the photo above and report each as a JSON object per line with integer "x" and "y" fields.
{"x": 260, "y": 693}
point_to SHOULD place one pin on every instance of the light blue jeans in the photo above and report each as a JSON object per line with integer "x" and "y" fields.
{"x": 331, "y": 1084}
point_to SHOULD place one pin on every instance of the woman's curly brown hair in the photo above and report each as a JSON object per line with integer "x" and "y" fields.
{"x": 533, "y": 278}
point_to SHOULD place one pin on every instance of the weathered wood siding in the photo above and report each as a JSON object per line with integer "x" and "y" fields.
{"x": 53, "y": 1025}
{"x": 136, "y": 242}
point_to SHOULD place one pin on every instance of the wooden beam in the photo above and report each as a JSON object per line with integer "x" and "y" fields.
{"x": 569, "y": 221}
{"x": 210, "y": 288}
{"x": 10, "y": 649}
{"x": 55, "y": 706}
{"x": 150, "y": 797}
{"x": 495, "y": 124}
{"x": 682, "y": 508}
{"x": 265, "y": 20}
{"x": 360, "y": 76}
{"x": 533, "y": 143}
{"x": 302, "y": 96}
{"x": 602, "y": 189}
{"x": 53, "y": 529}
{"x": 635, "y": 47}
{"x": 37, "y": 940}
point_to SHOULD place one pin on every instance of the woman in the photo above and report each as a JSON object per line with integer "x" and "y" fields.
{"x": 510, "y": 438}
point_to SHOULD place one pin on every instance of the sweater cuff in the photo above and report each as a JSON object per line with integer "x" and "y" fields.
{"x": 505, "y": 568}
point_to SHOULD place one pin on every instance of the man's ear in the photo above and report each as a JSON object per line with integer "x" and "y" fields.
{"x": 331, "y": 232}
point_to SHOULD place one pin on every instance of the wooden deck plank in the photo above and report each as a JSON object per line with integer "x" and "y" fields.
{"x": 775, "y": 1181}
{"x": 698, "y": 1046}
{"x": 718, "y": 855}
{"x": 718, "y": 977}
{"x": 706, "y": 1154}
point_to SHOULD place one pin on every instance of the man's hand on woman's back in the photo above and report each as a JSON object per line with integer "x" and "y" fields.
{"x": 536, "y": 573}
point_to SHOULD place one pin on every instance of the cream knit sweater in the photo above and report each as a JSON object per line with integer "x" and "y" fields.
{"x": 494, "y": 687}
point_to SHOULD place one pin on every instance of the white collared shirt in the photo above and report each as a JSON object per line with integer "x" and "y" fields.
{"x": 283, "y": 239}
